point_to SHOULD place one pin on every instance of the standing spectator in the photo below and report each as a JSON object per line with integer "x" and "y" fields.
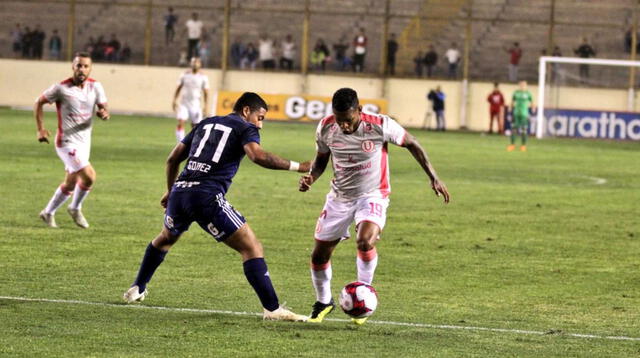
{"x": 430, "y": 60}
{"x": 38, "y": 42}
{"x": 288, "y": 53}
{"x": 453, "y": 58}
{"x": 170, "y": 20}
{"x": 16, "y": 38}
{"x": 319, "y": 55}
{"x": 359, "y": 51}
{"x": 265, "y": 50}
{"x": 182, "y": 58}
{"x": 515, "y": 53}
{"x": 584, "y": 51}
{"x": 342, "y": 60}
{"x": 112, "y": 50}
{"x": 496, "y": 103}
{"x": 27, "y": 41}
{"x": 419, "y": 64}
{"x": 392, "y": 49}
{"x": 55, "y": 46}
{"x": 437, "y": 100}
{"x": 237, "y": 51}
{"x": 250, "y": 57}
{"x": 125, "y": 53}
{"x": 194, "y": 32}
{"x": 555, "y": 68}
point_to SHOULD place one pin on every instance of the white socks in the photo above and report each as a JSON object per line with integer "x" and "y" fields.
{"x": 366, "y": 263}
{"x": 321, "y": 278}
{"x": 79, "y": 194}
{"x": 58, "y": 198}
{"x": 179, "y": 134}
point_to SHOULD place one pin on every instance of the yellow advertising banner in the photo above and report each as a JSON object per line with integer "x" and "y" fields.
{"x": 294, "y": 107}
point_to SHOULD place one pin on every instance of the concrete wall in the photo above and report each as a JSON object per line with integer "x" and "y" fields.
{"x": 149, "y": 90}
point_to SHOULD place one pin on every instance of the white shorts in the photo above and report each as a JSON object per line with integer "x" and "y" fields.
{"x": 74, "y": 158}
{"x": 337, "y": 216}
{"x": 192, "y": 113}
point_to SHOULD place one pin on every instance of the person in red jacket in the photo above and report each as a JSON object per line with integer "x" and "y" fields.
{"x": 496, "y": 103}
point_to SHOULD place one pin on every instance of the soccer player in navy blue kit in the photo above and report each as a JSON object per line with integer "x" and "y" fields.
{"x": 213, "y": 151}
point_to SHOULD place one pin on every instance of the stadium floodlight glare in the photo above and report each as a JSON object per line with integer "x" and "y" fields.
{"x": 542, "y": 81}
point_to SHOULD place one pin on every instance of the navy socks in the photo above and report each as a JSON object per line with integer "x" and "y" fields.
{"x": 258, "y": 276}
{"x": 153, "y": 257}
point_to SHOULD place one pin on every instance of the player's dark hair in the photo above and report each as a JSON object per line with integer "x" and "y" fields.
{"x": 82, "y": 54}
{"x": 251, "y": 99}
{"x": 344, "y": 99}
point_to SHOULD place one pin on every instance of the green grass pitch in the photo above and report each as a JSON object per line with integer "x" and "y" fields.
{"x": 543, "y": 241}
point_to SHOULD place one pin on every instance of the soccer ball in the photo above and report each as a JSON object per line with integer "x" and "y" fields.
{"x": 358, "y": 300}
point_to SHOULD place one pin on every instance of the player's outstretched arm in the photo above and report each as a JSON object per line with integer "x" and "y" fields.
{"x": 43, "y": 134}
{"x": 174, "y": 103}
{"x": 271, "y": 161}
{"x": 179, "y": 153}
{"x": 421, "y": 157}
{"x": 317, "y": 168}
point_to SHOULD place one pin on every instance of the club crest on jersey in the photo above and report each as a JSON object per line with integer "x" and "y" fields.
{"x": 368, "y": 146}
{"x": 368, "y": 127}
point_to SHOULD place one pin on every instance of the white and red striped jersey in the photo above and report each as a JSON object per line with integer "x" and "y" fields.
{"x": 192, "y": 86}
{"x": 75, "y": 107}
{"x": 360, "y": 159}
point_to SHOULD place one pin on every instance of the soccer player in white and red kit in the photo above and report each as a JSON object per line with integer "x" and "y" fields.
{"x": 356, "y": 142}
{"x": 194, "y": 85}
{"x": 75, "y": 99}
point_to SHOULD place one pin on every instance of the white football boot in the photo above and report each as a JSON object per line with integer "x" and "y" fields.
{"x": 133, "y": 294}
{"x": 78, "y": 218}
{"x": 283, "y": 314}
{"x": 48, "y": 219}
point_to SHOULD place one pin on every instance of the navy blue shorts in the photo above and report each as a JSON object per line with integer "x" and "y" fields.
{"x": 211, "y": 210}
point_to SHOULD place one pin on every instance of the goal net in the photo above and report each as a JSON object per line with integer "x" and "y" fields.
{"x": 587, "y": 98}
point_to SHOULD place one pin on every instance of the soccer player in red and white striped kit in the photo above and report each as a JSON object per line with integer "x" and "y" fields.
{"x": 356, "y": 142}
{"x": 75, "y": 99}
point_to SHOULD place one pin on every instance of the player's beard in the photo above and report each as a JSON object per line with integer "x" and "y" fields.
{"x": 79, "y": 79}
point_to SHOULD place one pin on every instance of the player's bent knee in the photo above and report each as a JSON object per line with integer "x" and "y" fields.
{"x": 245, "y": 242}
{"x": 165, "y": 240}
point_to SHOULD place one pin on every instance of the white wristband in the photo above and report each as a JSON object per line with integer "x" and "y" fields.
{"x": 294, "y": 166}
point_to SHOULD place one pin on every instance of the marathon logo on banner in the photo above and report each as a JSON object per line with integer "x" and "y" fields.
{"x": 294, "y": 107}
{"x": 593, "y": 124}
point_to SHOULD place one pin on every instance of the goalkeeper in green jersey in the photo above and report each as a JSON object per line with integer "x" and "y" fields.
{"x": 521, "y": 104}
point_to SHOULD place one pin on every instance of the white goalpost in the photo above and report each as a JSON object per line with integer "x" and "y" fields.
{"x": 541, "y": 129}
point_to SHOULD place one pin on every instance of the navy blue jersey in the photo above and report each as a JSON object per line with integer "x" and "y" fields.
{"x": 216, "y": 147}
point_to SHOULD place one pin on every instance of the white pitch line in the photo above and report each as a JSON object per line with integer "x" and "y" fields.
{"x": 388, "y": 323}
{"x": 595, "y": 180}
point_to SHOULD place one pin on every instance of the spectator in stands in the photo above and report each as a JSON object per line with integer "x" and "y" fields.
{"x": 250, "y": 57}
{"x": 288, "y": 48}
{"x": 437, "y": 101}
{"x": 55, "y": 46}
{"x": 628, "y": 39}
{"x": 392, "y": 49}
{"x": 340, "y": 49}
{"x": 37, "y": 39}
{"x": 112, "y": 50}
{"x": 194, "y": 32}
{"x": 125, "y": 53}
{"x": 16, "y": 38}
{"x": 237, "y": 51}
{"x": 319, "y": 55}
{"x": 99, "y": 49}
{"x": 430, "y": 60}
{"x": 182, "y": 58}
{"x": 265, "y": 51}
{"x": 26, "y": 42}
{"x": 555, "y": 68}
{"x": 205, "y": 51}
{"x": 496, "y": 104}
{"x": 585, "y": 50}
{"x": 418, "y": 62}
{"x": 359, "y": 50}
{"x": 453, "y": 58}
{"x": 515, "y": 53}
{"x": 170, "y": 20}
